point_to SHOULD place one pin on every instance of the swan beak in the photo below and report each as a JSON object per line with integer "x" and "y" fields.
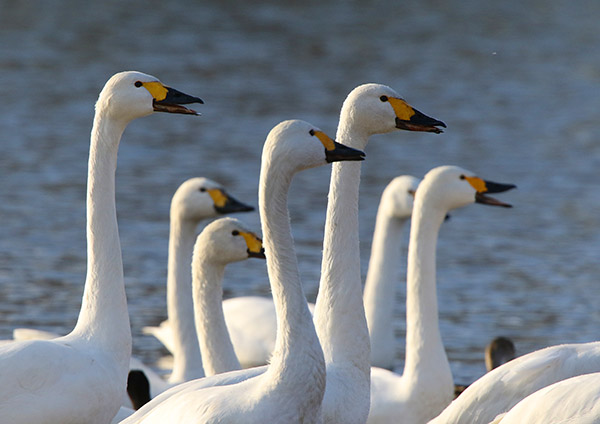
{"x": 223, "y": 203}
{"x": 484, "y": 187}
{"x": 167, "y": 99}
{"x": 410, "y": 119}
{"x": 255, "y": 246}
{"x": 341, "y": 152}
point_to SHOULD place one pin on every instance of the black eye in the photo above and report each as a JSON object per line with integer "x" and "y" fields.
{"x": 384, "y": 98}
{"x": 312, "y": 132}
{"x": 462, "y": 177}
{"x": 235, "y": 233}
{"x": 138, "y": 84}
{"x": 202, "y": 189}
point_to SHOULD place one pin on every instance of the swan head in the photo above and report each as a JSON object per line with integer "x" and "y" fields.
{"x": 378, "y": 109}
{"x": 228, "y": 240}
{"x": 129, "y": 95}
{"x": 451, "y": 187}
{"x": 399, "y": 195}
{"x": 300, "y": 145}
{"x": 200, "y": 198}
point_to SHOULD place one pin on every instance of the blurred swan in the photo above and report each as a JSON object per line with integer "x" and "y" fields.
{"x": 502, "y": 388}
{"x": 222, "y": 242}
{"x": 426, "y": 387}
{"x": 574, "y": 400}
{"x": 395, "y": 209}
{"x": 195, "y": 200}
{"x": 82, "y": 376}
{"x": 291, "y": 387}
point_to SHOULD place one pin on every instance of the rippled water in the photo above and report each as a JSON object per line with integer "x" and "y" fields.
{"x": 516, "y": 82}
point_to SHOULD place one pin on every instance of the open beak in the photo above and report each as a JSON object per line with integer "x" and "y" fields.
{"x": 492, "y": 187}
{"x": 420, "y": 122}
{"x": 173, "y": 101}
{"x": 341, "y": 152}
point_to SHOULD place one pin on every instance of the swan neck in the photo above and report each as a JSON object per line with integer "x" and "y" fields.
{"x": 381, "y": 287}
{"x": 103, "y": 318}
{"x": 187, "y": 360}
{"x": 424, "y": 347}
{"x": 339, "y": 311}
{"x": 217, "y": 350}
{"x": 297, "y": 354}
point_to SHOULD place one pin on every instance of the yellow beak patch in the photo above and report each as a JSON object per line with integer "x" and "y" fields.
{"x": 218, "y": 197}
{"x": 403, "y": 110}
{"x": 156, "y": 89}
{"x": 325, "y": 140}
{"x": 252, "y": 241}
{"x": 477, "y": 183}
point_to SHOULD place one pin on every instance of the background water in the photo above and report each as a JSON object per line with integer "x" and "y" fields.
{"x": 517, "y": 82}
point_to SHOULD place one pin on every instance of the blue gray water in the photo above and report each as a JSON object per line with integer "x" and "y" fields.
{"x": 517, "y": 82}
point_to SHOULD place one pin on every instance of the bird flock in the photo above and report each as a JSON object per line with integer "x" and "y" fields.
{"x": 281, "y": 360}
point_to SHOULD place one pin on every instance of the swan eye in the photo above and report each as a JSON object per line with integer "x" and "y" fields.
{"x": 235, "y": 233}
{"x": 384, "y": 98}
{"x": 312, "y": 132}
{"x": 202, "y": 189}
{"x": 462, "y": 177}
{"x": 138, "y": 84}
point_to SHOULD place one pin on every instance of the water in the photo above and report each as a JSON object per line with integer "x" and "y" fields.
{"x": 516, "y": 82}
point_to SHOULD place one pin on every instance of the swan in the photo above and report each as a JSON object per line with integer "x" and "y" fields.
{"x": 195, "y": 200}
{"x": 502, "y": 388}
{"x": 574, "y": 400}
{"x": 426, "y": 387}
{"x": 82, "y": 376}
{"x": 251, "y": 319}
{"x": 222, "y": 242}
{"x": 395, "y": 209}
{"x": 291, "y": 387}
{"x": 339, "y": 313}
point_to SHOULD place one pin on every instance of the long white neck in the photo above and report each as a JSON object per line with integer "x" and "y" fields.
{"x": 103, "y": 319}
{"x": 297, "y": 365}
{"x": 218, "y": 354}
{"x": 381, "y": 286}
{"x": 339, "y": 312}
{"x": 426, "y": 359}
{"x": 187, "y": 361}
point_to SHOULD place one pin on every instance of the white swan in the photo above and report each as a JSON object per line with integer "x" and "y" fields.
{"x": 251, "y": 319}
{"x": 222, "y": 242}
{"x": 81, "y": 377}
{"x": 502, "y": 388}
{"x": 574, "y": 400}
{"x": 383, "y": 277}
{"x": 426, "y": 386}
{"x": 195, "y": 200}
{"x": 339, "y": 313}
{"x": 291, "y": 387}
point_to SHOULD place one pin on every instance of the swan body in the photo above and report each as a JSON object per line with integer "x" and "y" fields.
{"x": 222, "y": 242}
{"x": 425, "y": 387}
{"x": 339, "y": 312}
{"x": 82, "y": 376}
{"x": 291, "y": 387}
{"x": 574, "y": 400}
{"x": 395, "y": 209}
{"x": 502, "y": 388}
